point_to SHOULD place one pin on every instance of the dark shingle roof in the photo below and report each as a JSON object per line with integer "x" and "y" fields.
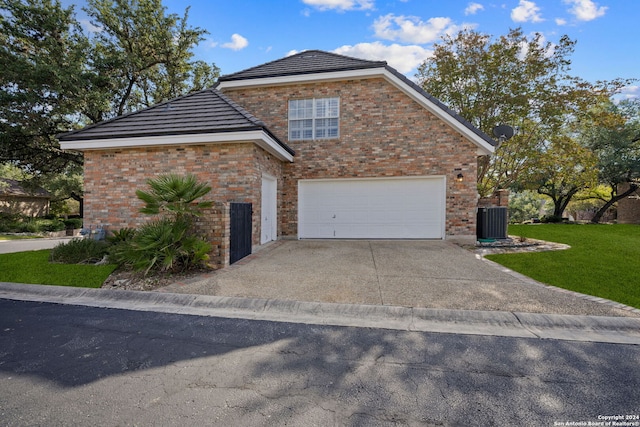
{"x": 317, "y": 62}
{"x": 307, "y": 62}
{"x": 12, "y": 187}
{"x": 206, "y": 111}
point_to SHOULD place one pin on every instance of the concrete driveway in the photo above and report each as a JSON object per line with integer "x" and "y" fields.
{"x": 414, "y": 273}
{"x": 10, "y": 246}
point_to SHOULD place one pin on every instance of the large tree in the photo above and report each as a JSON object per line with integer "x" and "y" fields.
{"x": 142, "y": 56}
{"x": 616, "y": 145}
{"x": 518, "y": 80}
{"x": 55, "y": 78}
{"x": 561, "y": 169}
{"x": 43, "y": 73}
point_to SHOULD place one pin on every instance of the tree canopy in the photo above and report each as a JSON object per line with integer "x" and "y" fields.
{"x": 42, "y": 58}
{"x": 515, "y": 79}
{"x": 616, "y": 145}
{"x": 56, "y": 77}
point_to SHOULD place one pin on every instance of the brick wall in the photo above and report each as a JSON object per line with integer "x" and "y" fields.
{"x": 499, "y": 198}
{"x": 629, "y": 207}
{"x": 215, "y": 225}
{"x": 234, "y": 171}
{"x": 382, "y": 133}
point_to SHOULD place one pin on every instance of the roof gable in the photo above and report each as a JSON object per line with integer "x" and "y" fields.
{"x": 316, "y": 66}
{"x": 14, "y": 188}
{"x": 306, "y": 62}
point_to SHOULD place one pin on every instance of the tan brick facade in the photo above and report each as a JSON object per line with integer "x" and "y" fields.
{"x": 629, "y": 207}
{"x": 234, "y": 171}
{"x": 383, "y": 133}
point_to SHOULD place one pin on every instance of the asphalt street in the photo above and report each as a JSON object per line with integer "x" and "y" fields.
{"x": 80, "y": 365}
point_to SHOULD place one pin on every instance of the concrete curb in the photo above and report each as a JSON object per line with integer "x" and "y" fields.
{"x": 620, "y": 330}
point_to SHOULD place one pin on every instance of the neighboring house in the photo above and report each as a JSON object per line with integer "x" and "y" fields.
{"x": 321, "y": 145}
{"x": 16, "y": 199}
{"x": 629, "y": 207}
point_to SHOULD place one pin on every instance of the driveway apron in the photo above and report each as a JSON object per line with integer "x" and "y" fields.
{"x": 409, "y": 273}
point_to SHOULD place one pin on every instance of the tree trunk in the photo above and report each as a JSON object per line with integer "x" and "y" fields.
{"x": 560, "y": 203}
{"x": 80, "y": 200}
{"x": 598, "y": 215}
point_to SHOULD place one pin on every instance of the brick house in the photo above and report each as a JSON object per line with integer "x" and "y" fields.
{"x": 629, "y": 207}
{"x": 16, "y": 199}
{"x": 321, "y": 145}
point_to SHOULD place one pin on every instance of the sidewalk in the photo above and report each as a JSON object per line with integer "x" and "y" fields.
{"x": 22, "y": 245}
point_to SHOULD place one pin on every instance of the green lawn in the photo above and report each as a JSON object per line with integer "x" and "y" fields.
{"x": 34, "y": 267}
{"x": 603, "y": 260}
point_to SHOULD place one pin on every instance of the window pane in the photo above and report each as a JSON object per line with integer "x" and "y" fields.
{"x": 300, "y": 129}
{"x": 333, "y": 107}
{"x": 326, "y": 128}
{"x": 300, "y": 109}
{"x": 314, "y": 118}
{"x": 321, "y": 108}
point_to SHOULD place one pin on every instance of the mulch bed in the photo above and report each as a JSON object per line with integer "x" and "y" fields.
{"x": 135, "y": 281}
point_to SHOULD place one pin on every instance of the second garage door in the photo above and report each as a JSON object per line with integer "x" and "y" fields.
{"x": 393, "y": 208}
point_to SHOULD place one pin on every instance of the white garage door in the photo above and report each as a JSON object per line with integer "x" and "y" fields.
{"x": 394, "y": 208}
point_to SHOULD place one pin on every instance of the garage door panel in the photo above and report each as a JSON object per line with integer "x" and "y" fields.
{"x": 372, "y": 208}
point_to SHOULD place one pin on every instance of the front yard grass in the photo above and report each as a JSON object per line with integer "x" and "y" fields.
{"x": 33, "y": 267}
{"x": 603, "y": 259}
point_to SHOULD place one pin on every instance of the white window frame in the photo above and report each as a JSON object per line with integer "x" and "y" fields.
{"x": 308, "y": 118}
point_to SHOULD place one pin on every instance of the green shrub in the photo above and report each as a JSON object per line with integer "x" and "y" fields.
{"x": 168, "y": 244}
{"x": 27, "y": 227}
{"x": 123, "y": 235}
{"x": 79, "y": 251}
{"x": 164, "y": 245}
{"x": 49, "y": 225}
{"x": 551, "y": 219}
{"x": 72, "y": 223}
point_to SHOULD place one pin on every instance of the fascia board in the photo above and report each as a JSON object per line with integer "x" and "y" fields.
{"x": 484, "y": 148}
{"x": 301, "y": 78}
{"x": 258, "y": 137}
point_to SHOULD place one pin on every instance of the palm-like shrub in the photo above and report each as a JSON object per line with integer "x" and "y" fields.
{"x": 174, "y": 195}
{"x": 168, "y": 244}
{"x": 165, "y": 245}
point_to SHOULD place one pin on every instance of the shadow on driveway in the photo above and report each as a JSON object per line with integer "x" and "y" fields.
{"x": 409, "y": 273}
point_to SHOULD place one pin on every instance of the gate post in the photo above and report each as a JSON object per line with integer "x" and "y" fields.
{"x": 214, "y": 226}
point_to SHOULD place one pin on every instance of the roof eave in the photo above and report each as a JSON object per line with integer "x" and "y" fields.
{"x": 259, "y": 137}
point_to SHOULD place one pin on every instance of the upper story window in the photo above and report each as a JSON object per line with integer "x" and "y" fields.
{"x": 316, "y": 118}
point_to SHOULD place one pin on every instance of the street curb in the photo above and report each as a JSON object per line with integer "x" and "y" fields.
{"x": 620, "y": 330}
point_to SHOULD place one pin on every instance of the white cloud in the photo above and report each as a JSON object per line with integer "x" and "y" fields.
{"x": 473, "y": 8}
{"x": 410, "y": 29}
{"x": 405, "y": 59}
{"x": 237, "y": 43}
{"x": 585, "y": 10}
{"x": 527, "y": 11}
{"x": 630, "y": 92}
{"x": 87, "y": 25}
{"x": 340, "y": 5}
{"x": 560, "y": 21}
{"x": 549, "y": 48}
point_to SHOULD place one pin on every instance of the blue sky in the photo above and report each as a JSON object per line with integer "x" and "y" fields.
{"x": 245, "y": 33}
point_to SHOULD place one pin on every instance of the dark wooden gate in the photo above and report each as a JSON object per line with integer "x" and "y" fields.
{"x": 240, "y": 245}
